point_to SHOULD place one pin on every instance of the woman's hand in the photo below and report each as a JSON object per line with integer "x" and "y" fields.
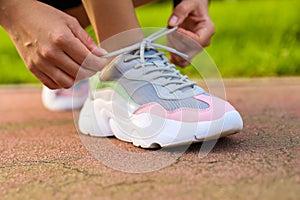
{"x": 52, "y": 44}
{"x": 194, "y": 21}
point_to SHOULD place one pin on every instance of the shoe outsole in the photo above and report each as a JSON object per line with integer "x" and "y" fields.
{"x": 54, "y": 103}
{"x": 97, "y": 119}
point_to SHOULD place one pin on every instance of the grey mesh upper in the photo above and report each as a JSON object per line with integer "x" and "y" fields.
{"x": 146, "y": 94}
{"x": 153, "y": 79}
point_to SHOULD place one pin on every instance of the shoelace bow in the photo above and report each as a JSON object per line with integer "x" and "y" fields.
{"x": 169, "y": 72}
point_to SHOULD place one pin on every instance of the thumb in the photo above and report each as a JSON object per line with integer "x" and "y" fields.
{"x": 82, "y": 35}
{"x": 180, "y": 13}
{"x": 87, "y": 40}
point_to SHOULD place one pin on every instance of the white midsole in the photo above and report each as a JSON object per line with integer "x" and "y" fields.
{"x": 100, "y": 117}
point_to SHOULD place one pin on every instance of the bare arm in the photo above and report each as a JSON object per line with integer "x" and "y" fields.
{"x": 52, "y": 44}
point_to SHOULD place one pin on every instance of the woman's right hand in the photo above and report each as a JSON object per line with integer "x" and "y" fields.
{"x": 53, "y": 45}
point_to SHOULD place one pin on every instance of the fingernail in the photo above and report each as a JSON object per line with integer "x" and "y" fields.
{"x": 173, "y": 20}
{"x": 100, "y": 52}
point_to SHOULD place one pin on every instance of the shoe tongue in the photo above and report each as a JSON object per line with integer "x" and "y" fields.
{"x": 160, "y": 62}
{"x": 152, "y": 52}
{"x": 116, "y": 71}
{"x": 126, "y": 66}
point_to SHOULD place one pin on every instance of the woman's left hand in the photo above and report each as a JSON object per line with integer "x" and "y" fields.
{"x": 194, "y": 21}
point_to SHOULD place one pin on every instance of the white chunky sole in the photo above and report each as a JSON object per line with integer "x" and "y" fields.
{"x": 102, "y": 118}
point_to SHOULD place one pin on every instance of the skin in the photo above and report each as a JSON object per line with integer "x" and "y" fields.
{"x": 190, "y": 15}
{"x": 54, "y": 44}
{"x": 194, "y": 21}
{"x": 109, "y": 22}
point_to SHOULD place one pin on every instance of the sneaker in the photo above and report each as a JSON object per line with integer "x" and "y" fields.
{"x": 66, "y": 99}
{"x": 141, "y": 98}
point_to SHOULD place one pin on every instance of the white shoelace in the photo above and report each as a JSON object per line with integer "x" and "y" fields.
{"x": 169, "y": 72}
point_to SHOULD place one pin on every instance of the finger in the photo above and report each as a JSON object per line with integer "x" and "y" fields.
{"x": 47, "y": 81}
{"x": 94, "y": 63}
{"x": 82, "y": 35}
{"x": 205, "y": 35}
{"x": 98, "y": 51}
{"x": 86, "y": 39}
{"x": 202, "y": 36}
{"x": 177, "y": 60}
{"x": 66, "y": 64}
{"x": 77, "y": 72}
{"x": 82, "y": 56}
{"x": 181, "y": 12}
{"x": 55, "y": 74}
{"x": 83, "y": 73}
{"x": 60, "y": 59}
{"x": 190, "y": 34}
{"x": 77, "y": 51}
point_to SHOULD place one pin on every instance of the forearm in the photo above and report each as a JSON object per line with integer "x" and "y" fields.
{"x": 5, "y": 10}
{"x": 4, "y": 6}
{"x": 9, "y": 11}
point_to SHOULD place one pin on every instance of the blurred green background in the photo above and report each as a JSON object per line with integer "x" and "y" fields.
{"x": 254, "y": 38}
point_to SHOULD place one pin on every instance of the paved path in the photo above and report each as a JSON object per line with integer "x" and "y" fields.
{"x": 42, "y": 156}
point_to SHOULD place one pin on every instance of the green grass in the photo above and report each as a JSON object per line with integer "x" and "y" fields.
{"x": 12, "y": 68}
{"x": 257, "y": 38}
{"x": 254, "y": 38}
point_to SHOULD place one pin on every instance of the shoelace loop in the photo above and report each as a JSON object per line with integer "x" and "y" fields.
{"x": 172, "y": 75}
{"x": 148, "y": 42}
